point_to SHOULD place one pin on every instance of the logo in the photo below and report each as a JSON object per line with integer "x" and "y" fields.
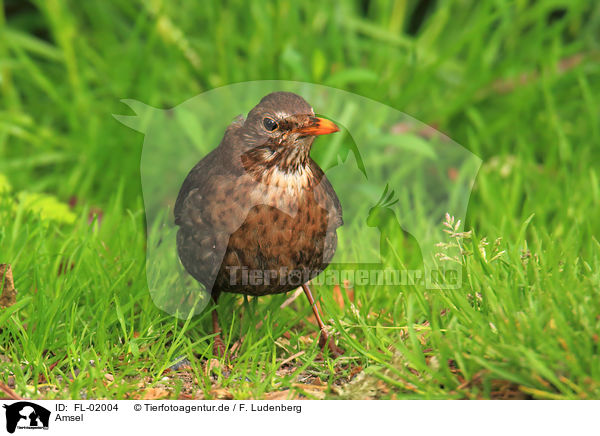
{"x": 397, "y": 182}
{"x": 26, "y": 415}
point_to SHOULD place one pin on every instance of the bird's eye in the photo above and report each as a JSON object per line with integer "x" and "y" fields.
{"x": 270, "y": 124}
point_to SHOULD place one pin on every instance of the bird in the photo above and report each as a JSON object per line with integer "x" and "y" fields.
{"x": 257, "y": 215}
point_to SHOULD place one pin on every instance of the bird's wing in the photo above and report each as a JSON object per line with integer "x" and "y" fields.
{"x": 207, "y": 212}
{"x": 194, "y": 184}
{"x": 212, "y": 163}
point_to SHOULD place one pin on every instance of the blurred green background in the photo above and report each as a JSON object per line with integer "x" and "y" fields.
{"x": 516, "y": 83}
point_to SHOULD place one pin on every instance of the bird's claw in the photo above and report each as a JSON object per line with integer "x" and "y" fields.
{"x": 219, "y": 348}
{"x": 326, "y": 341}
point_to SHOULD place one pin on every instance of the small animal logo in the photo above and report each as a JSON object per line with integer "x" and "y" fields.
{"x": 383, "y": 216}
{"x": 26, "y": 415}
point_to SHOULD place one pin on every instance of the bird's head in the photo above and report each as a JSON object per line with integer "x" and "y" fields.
{"x": 280, "y": 130}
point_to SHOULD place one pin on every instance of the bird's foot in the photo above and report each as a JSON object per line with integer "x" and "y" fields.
{"x": 326, "y": 341}
{"x": 335, "y": 350}
{"x": 219, "y": 348}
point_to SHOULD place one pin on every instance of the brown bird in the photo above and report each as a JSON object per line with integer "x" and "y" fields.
{"x": 257, "y": 216}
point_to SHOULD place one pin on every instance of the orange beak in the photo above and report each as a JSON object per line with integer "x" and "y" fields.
{"x": 318, "y": 126}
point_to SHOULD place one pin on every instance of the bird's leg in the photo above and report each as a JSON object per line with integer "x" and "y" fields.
{"x": 219, "y": 348}
{"x": 323, "y": 337}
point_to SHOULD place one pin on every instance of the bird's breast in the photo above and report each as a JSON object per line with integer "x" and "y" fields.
{"x": 285, "y": 191}
{"x": 287, "y": 227}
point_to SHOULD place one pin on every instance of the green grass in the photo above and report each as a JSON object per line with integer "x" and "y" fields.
{"x": 516, "y": 84}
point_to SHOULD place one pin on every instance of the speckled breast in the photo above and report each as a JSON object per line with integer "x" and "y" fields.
{"x": 277, "y": 250}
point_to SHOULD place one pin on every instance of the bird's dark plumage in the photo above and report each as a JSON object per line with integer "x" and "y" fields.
{"x": 258, "y": 205}
{"x": 245, "y": 205}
